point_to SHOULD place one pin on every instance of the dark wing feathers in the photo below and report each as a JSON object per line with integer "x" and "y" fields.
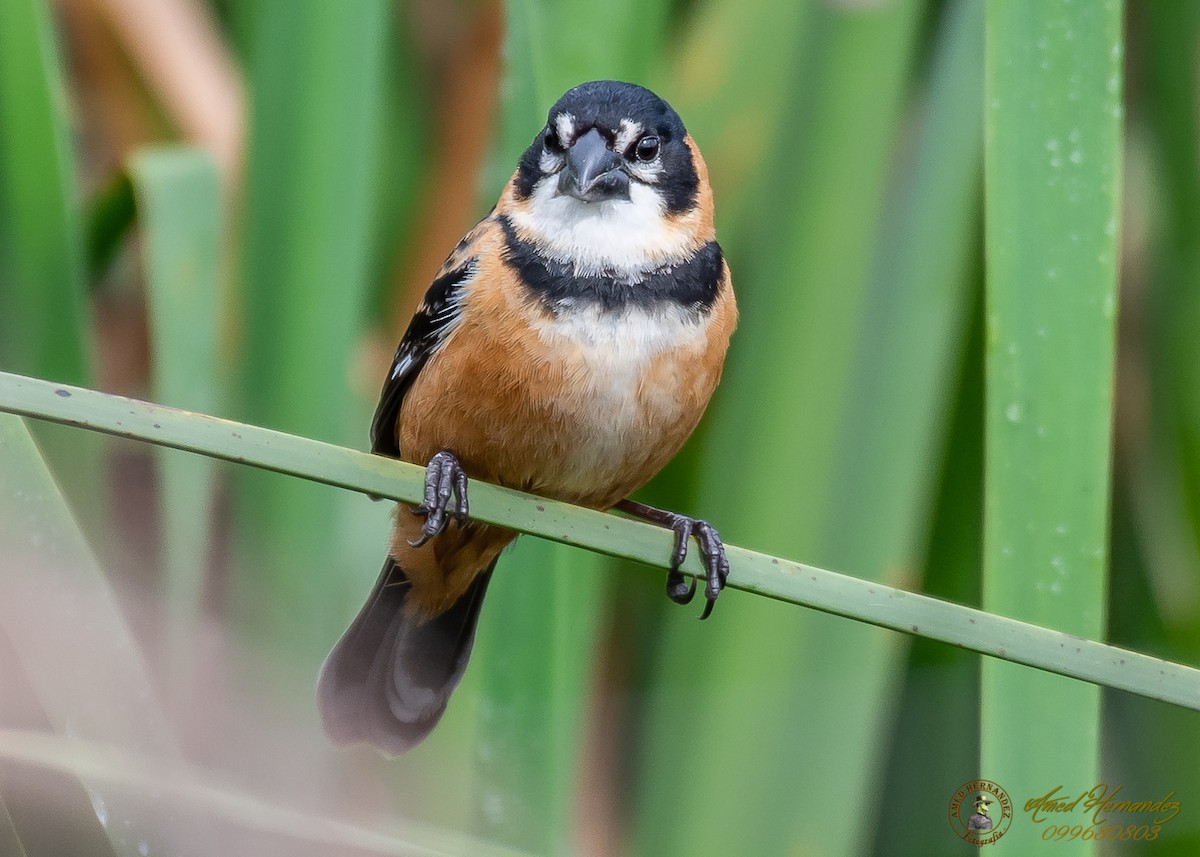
{"x": 433, "y": 321}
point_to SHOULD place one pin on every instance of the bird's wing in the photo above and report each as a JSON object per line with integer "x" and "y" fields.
{"x": 432, "y": 323}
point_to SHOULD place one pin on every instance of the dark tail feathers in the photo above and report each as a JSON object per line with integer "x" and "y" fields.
{"x": 387, "y": 680}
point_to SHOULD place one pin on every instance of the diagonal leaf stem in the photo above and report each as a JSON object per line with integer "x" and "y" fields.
{"x": 784, "y": 580}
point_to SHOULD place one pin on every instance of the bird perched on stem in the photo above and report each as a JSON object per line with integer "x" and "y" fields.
{"x": 567, "y": 347}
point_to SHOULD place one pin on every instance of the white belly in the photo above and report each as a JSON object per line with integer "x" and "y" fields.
{"x": 624, "y": 370}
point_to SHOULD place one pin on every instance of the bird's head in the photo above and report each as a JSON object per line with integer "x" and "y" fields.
{"x": 613, "y": 183}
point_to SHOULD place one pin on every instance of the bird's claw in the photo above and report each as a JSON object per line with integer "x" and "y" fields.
{"x": 712, "y": 553}
{"x": 445, "y": 481}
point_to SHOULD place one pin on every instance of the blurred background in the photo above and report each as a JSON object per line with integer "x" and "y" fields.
{"x": 233, "y": 206}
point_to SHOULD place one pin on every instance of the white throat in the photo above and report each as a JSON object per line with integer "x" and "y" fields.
{"x": 616, "y": 238}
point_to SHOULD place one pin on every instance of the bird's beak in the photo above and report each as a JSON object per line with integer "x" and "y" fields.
{"x": 594, "y": 172}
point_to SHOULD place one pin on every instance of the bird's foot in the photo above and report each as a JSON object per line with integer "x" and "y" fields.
{"x": 445, "y": 481}
{"x": 712, "y": 553}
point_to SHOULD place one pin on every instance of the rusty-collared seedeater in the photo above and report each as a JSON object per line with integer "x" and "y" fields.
{"x": 567, "y": 347}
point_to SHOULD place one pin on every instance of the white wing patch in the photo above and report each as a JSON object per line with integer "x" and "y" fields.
{"x": 442, "y": 320}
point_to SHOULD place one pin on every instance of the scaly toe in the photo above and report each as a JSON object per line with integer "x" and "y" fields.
{"x": 445, "y": 481}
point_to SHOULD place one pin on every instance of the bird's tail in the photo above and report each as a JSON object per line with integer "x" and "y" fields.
{"x": 387, "y": 680}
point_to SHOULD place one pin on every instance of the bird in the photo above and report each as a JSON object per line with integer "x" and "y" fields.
{"x": 567, "y": 347}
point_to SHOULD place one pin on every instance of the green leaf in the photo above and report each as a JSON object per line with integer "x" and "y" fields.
{"x": 782, "y": 441}
{"x": 535, "y": 657}
{"x": 936, "y": 727}
{"x": 178, "y": 199}
{"x": 1155, "y": 593}
{"x": 42, "y": 312}
{"x": 44, "y": 321}
{"x": 1053, "y": 169}
{"x": 315, "y": 79}
{"x": 726, "y": 51}
{"x": 110, "y": 216}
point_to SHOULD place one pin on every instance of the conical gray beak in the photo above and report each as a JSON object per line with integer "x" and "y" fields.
{"x": 594, "y": 172}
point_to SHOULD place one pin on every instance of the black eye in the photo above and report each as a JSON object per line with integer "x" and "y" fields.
{"x": 647, "y": 148}
{"x": 551, "y": 142}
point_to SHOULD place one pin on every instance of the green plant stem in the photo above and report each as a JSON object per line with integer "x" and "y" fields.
{"x": 781, "y": 579}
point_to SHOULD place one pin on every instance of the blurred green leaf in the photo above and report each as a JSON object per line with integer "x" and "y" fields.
{"x": 936, "y": 728}
{"x": 44, "y": 321}
{"x": 1166, "y": 465}
{"x": 110, "y": 217}
{"x": 773, "y": 458}
{"x": 1148, "y": 748}
{"x": 536, "y": 637}
{"x": 1156, "y": 516}
{"x": 1053, "y": 171}
{"x": 42, "y": 312}
{"x": 315, "y": 77}
{"x": 1174, "y": 299}
{"x": 403, "y": 157}
{"x": 727, "y": 50}
{"x": 178, "y": 200}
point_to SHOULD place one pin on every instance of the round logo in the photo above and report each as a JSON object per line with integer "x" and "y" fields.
{"x": 980, "y": 812}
